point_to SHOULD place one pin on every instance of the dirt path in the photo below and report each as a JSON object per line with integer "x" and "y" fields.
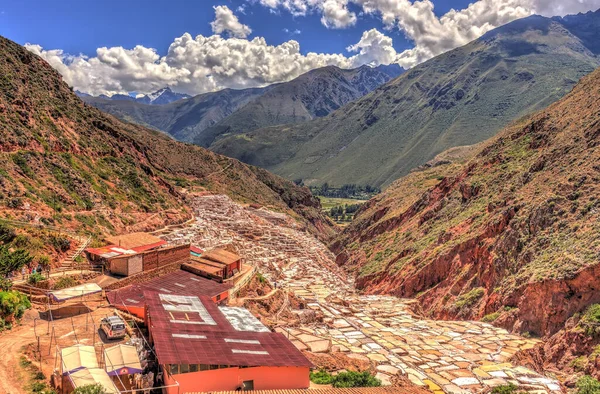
{"x": 12, "y": 380}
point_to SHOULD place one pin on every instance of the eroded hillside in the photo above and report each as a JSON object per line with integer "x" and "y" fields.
{"x": 65, "y": 162}
{"x": 512, "y": 234}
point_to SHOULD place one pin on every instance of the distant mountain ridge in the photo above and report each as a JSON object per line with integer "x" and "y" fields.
{"x": 206, "y": 117}
{"x": 161, "y": 96}
{"x": 461, "y": 97}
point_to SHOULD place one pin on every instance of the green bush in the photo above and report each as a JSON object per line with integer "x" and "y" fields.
{"x": 355, "y": 379}
{"x": 321, "y": 377}
{"x": 588, "y": 385}
{"x": 261, "y": 278}
{"x": 35, "y": 278}
{"x": 5, "y": 284}
{"x": 591, "y": 319}
{"x": 469, "y": 299}
{"x": 12, "y": 261}
{"x": 490, "y": 317}
{"x": 61, "y": 244}
{"x": 13, "y": 303}
{"x": 90, "y": 389}
{"x": 578, "y": 364}
{"x": 504, "y": 389}
{"x": 64, "y": 282}
{"x": 7, "y": 234}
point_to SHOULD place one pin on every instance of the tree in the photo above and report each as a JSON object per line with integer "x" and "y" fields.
{"x": 12, "y": 261}
{"x": 588, "y": 385}
{"x": 90, "y": 389}
{"x": 7, "y": 234}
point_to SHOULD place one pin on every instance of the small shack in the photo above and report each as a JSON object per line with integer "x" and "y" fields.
{"x": 88, "y": 376}
{"x": 218, "y": 264}
{"x": 122, "y": 360}
{"x": 127, "y": 265}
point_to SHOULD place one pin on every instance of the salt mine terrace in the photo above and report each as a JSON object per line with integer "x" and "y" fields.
{"x": 444, "y": 356}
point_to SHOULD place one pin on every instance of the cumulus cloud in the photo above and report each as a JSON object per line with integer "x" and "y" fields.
{"x": 203, "y": 64}
{"x": 226, "y": 22}
{"x": 431, "y": 34}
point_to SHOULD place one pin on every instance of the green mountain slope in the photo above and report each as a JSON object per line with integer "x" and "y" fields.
{"x": 66, "y": 163}
{"x": 204, "y": 118}
{"x": 314, "y": 94}
{"x": 459, "y": 98}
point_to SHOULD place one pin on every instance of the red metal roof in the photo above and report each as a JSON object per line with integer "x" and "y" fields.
{"x": 178, "y": 282}
{"x": 143, "y": 248}
{"x": 196, "y": 249}
{"x": 194, "y": 330}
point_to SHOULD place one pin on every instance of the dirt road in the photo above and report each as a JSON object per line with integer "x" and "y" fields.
{"x": 12, "y": 376}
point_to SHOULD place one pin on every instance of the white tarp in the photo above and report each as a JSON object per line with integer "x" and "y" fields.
{"x": 121, "y": 360}
{"x": 88, "y": 376}
{"x": 77, "y": 357}
{"x": 77, "y": 291}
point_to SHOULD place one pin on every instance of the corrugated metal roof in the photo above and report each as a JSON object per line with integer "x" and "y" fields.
{"x": 178, "y": 282}
{"x": 135, "y": 240}
{"x": 193, "y": 330}
{"x": 221, "y": 256}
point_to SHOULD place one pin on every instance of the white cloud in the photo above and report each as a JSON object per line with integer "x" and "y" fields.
{"x": 431, "y": 34}
{"x": 226, "y": 22}
{"x": 203, "y": 64}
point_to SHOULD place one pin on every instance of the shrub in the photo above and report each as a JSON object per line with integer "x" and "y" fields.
{"x": 35, "y": 278}
{"x": 13, "y": 303}
{"x": 355, "y": 379}
{"x": 321, "y": 377}
{"x": 44, "y": 260}
{"x": 591, "y": 319}
{"x": 588, "y": 385}
{"x": 90, "y": 389}
{"x": 490, "y": 317}
{"x": 12, "y": 261}
{"x": 7, "y": 234}
{"x": 504, "y": 389}
{"x": 5, "y": 284}
{"x": 65, "y": 281}
{"x": 261, "y": 278}
{"x": 469, "y": 299}
{"x": 60, "y": 244}
{"x": 578, "y": 364}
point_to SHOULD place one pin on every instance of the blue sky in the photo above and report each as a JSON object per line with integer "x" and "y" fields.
{"x": 80, "y": 26}
{"x": 122, "y": 46}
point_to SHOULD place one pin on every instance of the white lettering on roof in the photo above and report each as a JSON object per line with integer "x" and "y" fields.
{"x": 194, "y": 279}
{"x": 187, "y": 305}
{"x": 132, "y": 301}
{"x": 189, "y": 336}
{"x": 258, "y": 352}
{"x": 165, "y": 290}
{"x": 249, "y": 341}
{"x": 179, "y": 284}
{"x": 242, "y": 320}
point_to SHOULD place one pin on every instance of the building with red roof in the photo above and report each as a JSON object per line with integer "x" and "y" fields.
{"x": 203, "y": 347}
{"x": 131, "y": 298}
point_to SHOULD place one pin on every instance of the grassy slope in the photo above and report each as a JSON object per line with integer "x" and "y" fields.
{"x": 82, "y": 168}
{"x": 459, "y": 98}
{"x": 521, "y": 221}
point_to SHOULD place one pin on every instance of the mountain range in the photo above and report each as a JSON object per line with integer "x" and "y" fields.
{"x": 161, "y": 96}
{"x": 207, "y": 117}
{"x": 63, "y": 162}
{"x": 459, "y": 98}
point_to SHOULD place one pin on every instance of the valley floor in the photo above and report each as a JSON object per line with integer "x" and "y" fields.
{"x": 446, "y": 356}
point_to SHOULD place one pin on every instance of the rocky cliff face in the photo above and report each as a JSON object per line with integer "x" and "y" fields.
{"x": 511, "y": 235}
{"x": 65, "y": 163}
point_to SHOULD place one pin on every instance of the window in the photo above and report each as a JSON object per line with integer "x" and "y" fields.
{"x": 184, "y": 368}
{"x": 248, "y": 385}
{"x": 219, "y": 297}
{"x": 213, "y": 367}
{"x": 204, "y": 367}
{"x": 173, "y": 369}
{"x": 194, "y": 367}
